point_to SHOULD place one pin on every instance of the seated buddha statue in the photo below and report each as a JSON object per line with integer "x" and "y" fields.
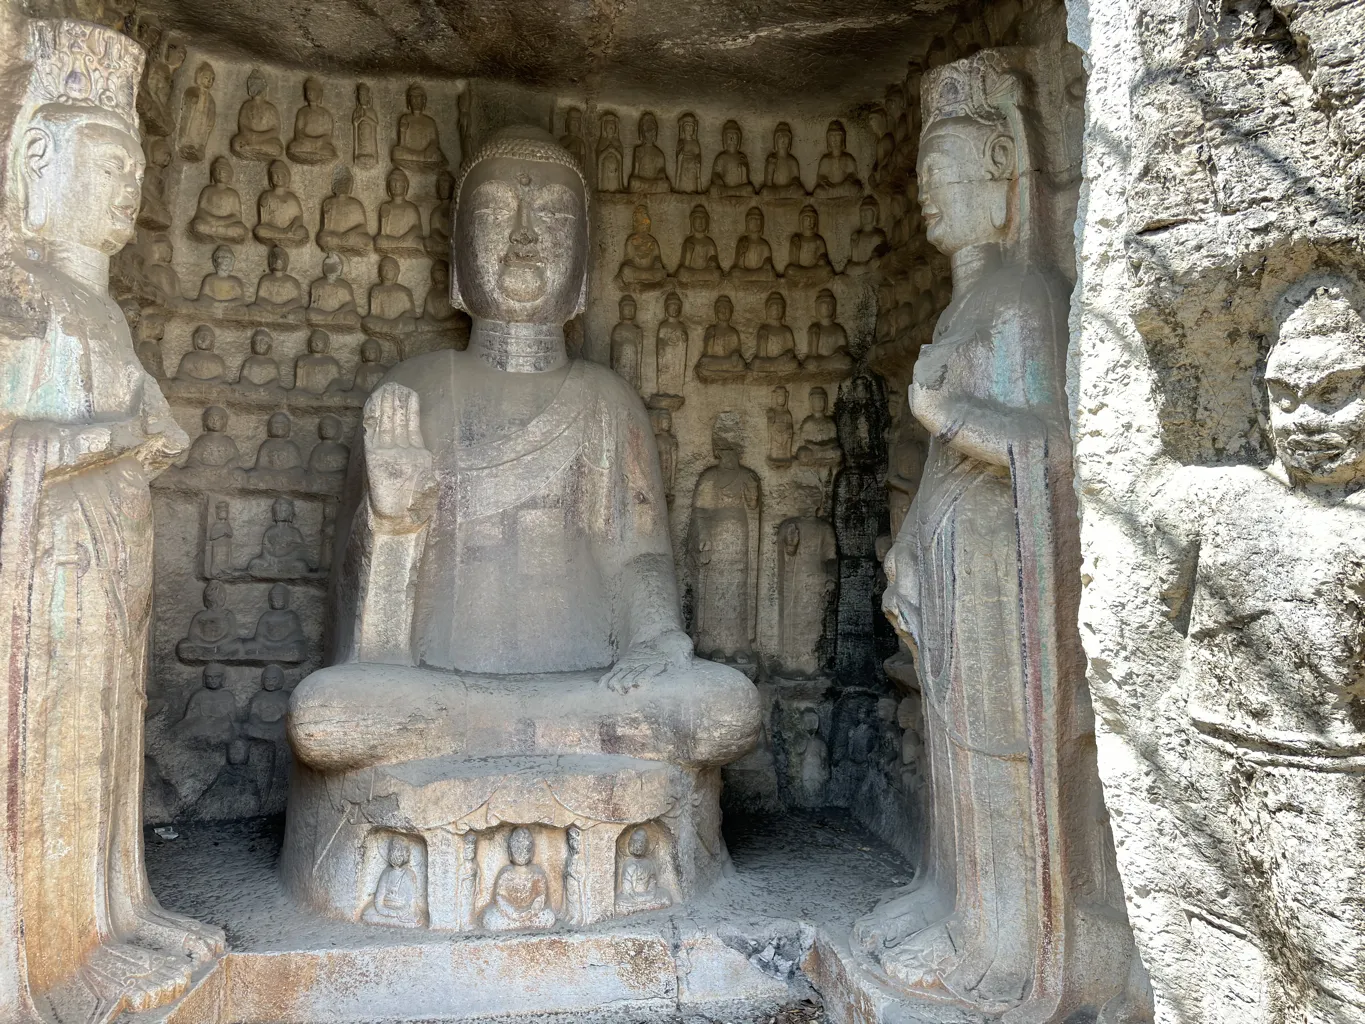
{"x": 370, "y": 371}
{"x": 258, "y": 124}
{"x": 259, "y": 370}
{"x": 278, "y": 292}
{"x": 392, "y": 310}
{"x": 868, "y": 240}
{"x": 720, "y": 345}
{"x": 279, "y": 213}
{"x": 330, "y": 454}
{"x": 279, "y": 632}
{"x": 213, "y": 629}
{"x": 826, "y": 339}
{"x": 436, "y": 306}
{"x": 753, "y": 254}
{"x": 400, "y": 221}
{"x": 345, "y": 228}
{"x": 222, "y": 291}
{"x": 648, "y": 172}
{"x": 700, "y": 260}
{"x": 782, "y": 171}
{"x": 775, "y": 345}
{"x": 313, "y": 128}
{"x": 837, "y": 172}
{"x": 201, "y": 364}
{"x": 644, "y": 262}
{"x": 331, "y": 299}
{"x": 318, "y": 368}
{"x": 807, "y": 254}
{"x": 279, "y": 452}
{"x": 214, "y": 448}
{"x": 418, "y": 147}
{"x": 505, "y": 584}
{"x": 638, "y": 889}
{"x": 730, "y": 169}
{"x": 284, "y": 553}
{"x": 218, "y": 217}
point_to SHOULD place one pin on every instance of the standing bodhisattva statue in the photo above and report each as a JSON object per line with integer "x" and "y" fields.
{"x": 83, "y": 429}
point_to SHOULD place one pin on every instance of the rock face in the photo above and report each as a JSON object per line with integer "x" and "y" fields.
{"x": 1216, "y": 380}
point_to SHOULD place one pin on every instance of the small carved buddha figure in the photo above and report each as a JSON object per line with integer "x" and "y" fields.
{"x": 370, "y": 371}
{"x": 648, "y": 171}
{"x": 400, "y": 221}
{"x": 900, "y": 223}
{"x": 720, "y": 344}
{"x": 154, "y": 98}
{"x": 316, "y": 370}
{"x": 813, "y": 752}
{"x": 211, "y": 712}
{"x": 278, "y": 453}
{"x": 279, "y": 632}
{"x": 627, "y": 341}
{"x": 213, "y": 629}
{"x": 638, "y": 888}
{"x": 644, "y": 264}
{"x": 819, "y": 435}
{"x": 201, "y": 364}
{"x": 687, "y": 156}
{"x": 436, "y": 306}
{"x": 279, "y": 212}
{"x": 670, "y": 349}
{"x": 331, "y": 299}
{"x": 782, "y": 171}
{"x": 753, "y": 254}
{"x": 327, "y": 532}
{"x": 807, "y": 578}
{"x": 313, "y": 128}
{"x": 886, "y": 145}
{"x": 259, "y": 370}
{"x": 807, "y": 255}
{"x": 222, "y": 290}
{"x": 575, "y": 877}
{"x": 722, "y": 549}
{"x": 330, "y": 454}
{"x": 392, "y": 310}
{"x": 278, "y": 292}
{"x": 730, "y": 169}
{"x": 610, "y": 155}
{"x": 364, "y": 129}
{"x": 395, "y": 894}
{"x": 667, "y": 444}
{"x": 214, "y": 448}
{"x": 418, "y": 147}
{"x": 163, "y": 283}
{"x": 344, "y": 227}
{"x": 837, "y": 173}
{"x": 572, "y": 139}
{"x": 218, "y": 217}
{"x": 198, "y": 112}
{"x": 283, "y": 551}
{"x": 269, "y": 705}
{"x": 826, "y": 340}
{"x": 147, "y": 333}
{"x": 258, "y": 124}
{"x": 438, "y": 233}
{"x": 700, "y": 260}
{"x": 775, "y": 349}
{"x": 521, "y": 891}
{"x": 868, "y": 241}
{"x": 780, "y": 429}
{"x": 154, "y": 214}
{"x": 218, "y": 542}
{"x": 467, "y": 881}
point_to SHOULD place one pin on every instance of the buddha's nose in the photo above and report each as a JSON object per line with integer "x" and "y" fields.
{"x": 523, "y": 231}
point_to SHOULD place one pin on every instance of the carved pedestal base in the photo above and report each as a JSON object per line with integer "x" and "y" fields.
{"x": 502, "y": 843}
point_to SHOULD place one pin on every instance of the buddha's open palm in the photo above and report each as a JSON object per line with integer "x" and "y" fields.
{"x": 397, "y": 463}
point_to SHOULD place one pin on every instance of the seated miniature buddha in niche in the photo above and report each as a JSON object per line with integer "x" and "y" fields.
{"x": 395, "y": 894}
{"x": 344, "y": 228}
{"x": 639, "y": 888}
{"x": 826, "y": 340}
{"x": 400, "y": 221}
{"x": 313, "y": 128}
{"x": 284, "y": 554}
{"x": 753, "y": 254}
{"x": 438, "y": 232}
{"x": 775, "y": 347}
{"x": 610, "y": 154}
{"x": 278, "y": 452}
{"x": 331, "y": 299}
{"x": 419, "y": 146}
{"x": 218, "y": 217}
{"x": 222, "y": 291}
{"x": 279, "y": 632}
{"x": 521, "y": 890}
{"x": 212, "y": 633}
{"x": 279, "y": 214}
{"x": 782, "y": 171}
{"x": 644, "y": 263}
{"x": 318, "y": 368}
{"x": 214, "y": 448}
{"x": 392, "y": 310}
{"x": 807, "y": 255}
{"x": 436, "y": 306}
{"x": 278, "y": 292}
{"x": 522, "y": 575}
{"x": 370, "y": 370}
{"x": 259, "y": 370}
{"x": 330, "y": 454}
{"x": 868, "y": 241}
{"x": 648, "y": 171}
{"x": 837, "y": 173}
{"x": 700, "y": 260}
{"x": 720, "y": 344}
{"x": 730, "y": 169}
{"x": 258, "y": 124}
{"x": 163, "y": 283}
{"x": 201, "y": 364}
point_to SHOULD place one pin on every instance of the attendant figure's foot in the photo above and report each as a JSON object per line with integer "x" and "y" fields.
{"x": 176, "y": 934}
{"x": 942, "y": 962}
{"x": 117, "y": 979}
{"x": 901, "y": 913}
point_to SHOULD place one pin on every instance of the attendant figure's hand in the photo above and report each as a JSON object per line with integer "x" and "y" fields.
{"x": 643, "y": 661}
{"x": 397, "y": 462}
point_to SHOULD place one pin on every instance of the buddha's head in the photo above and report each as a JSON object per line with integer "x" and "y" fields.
{"x": 282, "y": 511}
{"x": 221, "y": 172}
{"x": 775, "y": 307}
{"x": 731, "y": 136}
{"x": 215, "y": 419}
{"x": 255, "y": 83}
{"x": 782, "y": 138}
{"x": 220, "y": 511}
{"x": 214, "y": 675}
{"x": 445, "y": 186}
{"x": 573, "y": 121}
{"x": 639, "y": 219}
{"x": 261, "y": 342}
{"x": 648, "y": 128}
{"x": 627, "y": 308}
{"x": 77, "y": 163}
{"x": 672, "y": 305}
{"x": 819, "y": 401}
{"x": 791, "y": 538}
{"x": 312, "y": 91}
{"x": 440, "y": 274}
{"x": 753, "y": 221}
{"x": 810, "y": 721}
{"x": 362, "y": 94}
{"x": 319, "y": 341}
{"x": 519, "y": 251}
{"x": 725, "y": 309}
{"x": 215, "y": 595}
{"x": 279, "y": 597}
{"x": 331, "y": 267}
{"x": 277, "y": 259}
{"x": 609, "y": 125}
{"x": 470, "y": 846}
{"x": 1315, "y": 382}
{"x": 329, "y": 427}
{"x": 836, "y": 137}
{"x": 779, "y": 397}
{"x": 520, "y": 846}
{"x": 158, "y": 152}
{"x": 388, "y": 270}
{"x": 203, "y": 75}
{"x": 370, "y": 351}
{"x": 397, "y": 184}
{"x": 809, "y": 220}
{"x": 238, "y": 753}
{"x": 638, "y": 843}
{"x": 278, "y": 426}
{"x": 279, "y": 174}
{"x": 272, "y": 678}
{"x": 687, "y": 127}
{"x": 825, "y": 304}
{"x": 895, "y": 103}
{"x": 398, "y": 853}
{"x": 223, "y": 260}
{"x": 417, "y": 98}
{"x": 700, "y": 220}
{"x": 341, "y": 182}
{"x": 869, "y": 212}
{"x": 202, "y": 339}
{"x": 574, "y": 837}
{"x": 663, "y": 421}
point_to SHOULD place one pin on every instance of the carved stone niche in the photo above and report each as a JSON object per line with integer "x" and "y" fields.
{"x": 542, "y": 842}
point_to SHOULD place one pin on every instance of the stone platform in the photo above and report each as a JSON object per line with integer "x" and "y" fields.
{"x": 770, "y": 932}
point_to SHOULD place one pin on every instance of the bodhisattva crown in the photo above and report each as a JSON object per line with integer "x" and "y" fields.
{"x": 978, "y": 88}
{"x": 78, "y": 64}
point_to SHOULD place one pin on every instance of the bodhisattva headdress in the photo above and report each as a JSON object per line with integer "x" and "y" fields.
{"x": 986, "y": 98}
{"x": 518, "y": 142}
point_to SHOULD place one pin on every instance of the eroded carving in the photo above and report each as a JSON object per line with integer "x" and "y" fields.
{"x": 279, "y": 214}
{"x": 687, "y": 156}
{"x": 781, "y": 170}
{"x": 419, "y": 146}
{"x": 219, "y": 215}
{"x": 331, "y": 299}
{"x": 610, "y": 154}
{"x": 807, "y": 582}
{"x": 400, "y": 221}
{"x": 639, "y": 888}
{"x": 700, "y": 259}
{"x": 392, "y": 312}
{"x": 364, "y": 129}
{"x": 201, "y": 363}
{"x": 260, "y": 370}
{"x": 221, "y": 292}
{"x": 258, "y": 123}
{"x": 198, "y": 112}
{"x": 837, "y": 173}
{"x": 345, "y": 227}
{"x": 730, "y": 169}
{"x": 314, "y": 126}
{"x": 521, "y": 890}
{"x": 644, "y": 264}
{"x": 753, "y": 255}
{"x": 627, "y": 342}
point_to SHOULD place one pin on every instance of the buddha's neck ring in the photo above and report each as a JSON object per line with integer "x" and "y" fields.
{"x": 519, "y": 348}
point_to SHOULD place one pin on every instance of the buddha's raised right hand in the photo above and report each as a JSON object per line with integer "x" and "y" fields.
{"x": 397, "y": 462}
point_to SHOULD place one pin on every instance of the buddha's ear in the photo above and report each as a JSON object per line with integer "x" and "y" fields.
{"x": 35, "y": 160}
{"x": 582, "y": 296}
{"x": 456, "y": 299}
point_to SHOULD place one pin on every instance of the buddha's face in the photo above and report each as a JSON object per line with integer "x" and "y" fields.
{"x": 369, "y": 351}
{"x": 573, "y": 121}
{"x": 278, "y": 425}
{"x": 388, "y": 270}
{"x": 687, "y": 128}
{"x": 701, "y": 221}
{"x": 779, "y": 398}
{"x": 82, "y": 179}
{"x": 398, "y": 854}
{"x": 202, "y": 339}
{"x": 221, "y": 172}
{"x": 964, "y": 187}
{"x": 730, "y": 138}
{"x": 522, "y": 248}
{"x": 279, "y": 597}
{"x": 638, "y": 843}
{"x": 318, "y": 342}
{"x": 159, "y": 153}
{"x": 260, "y": 343}
{"x": 440, "y": 272}
{"x": 279, "y": 174}
{"x": 397, "y": 184}
{"x": 724, "y": 310}
{"x": 834, "y": 138}
{"x": 649, "y": 129}
{"x": 867, "y": 217}
{"x": 809, "y": 221}
{"x": 521, "y": 847}
{"x": 417, "y": 99}
{"x": 673, "y": 307}
{"x": 627, "y": 307}
{"x": 824, "y": 306}
{"x": 753, "y": 221}
{"x": 362, "y": 94}
{"x": 255, "y": 84}
{"x": 818, "y": 400}
{"x": 203, "y": 76}
{"x": 282, "y": 511}
{"x": 175, "y": 55}
{"x": 782, "y": 141}
{"x": 445, "y": 186}
{"x": 223, "y": 260}
{"x": 610, "y": 126}
{"x": 272, "y": 678}
{"x": 213, "y": 678}
{"x": 329, "y": 428}
{"x": 776, "y": 307}
{"x": 278, "y": 260}
{"x": 1315, "y": 380}
{"x": 575, "y": 840}
{"x": 215, "y": 419}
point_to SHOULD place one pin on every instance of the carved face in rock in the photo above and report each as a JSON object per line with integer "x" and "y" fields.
{"x": 272, "y": 678}
{"x": 81, "y": 173}
{"x": 753, "y": 221}
{"x": 312, "y": 91}
{"x": 277, "y": 260}
{"x": 215, "y": 419}
{"x": 724, "y": 309}
{"x": 202, "y": 338}
{"x": 779, "y": 397}
{"x": 649, "y": 129}
{"x": 369, "y": 351}
{"x": 329, "y": 428}
{"x": 575, "y": 839}
{"x": 261, "y": 342}
{"x": 398, "y": 853}
{"x": 278, "y": 426}
{"x": 775, "y": 307}
{"x": 279, "y": 174}
{"x": 782, "y": 139}
{"x": 279, "y": 597}
{"x": 966, "y": 170}
{"x": 1315, "y": 382}
{"x": 627, "y": 307}
{"x": 319, "y": 342}
{"x": 521, "y": 230}
{"x": 638, "y": 844}
{"x": 731, "y": 137}
{"x": 700, "y": 220}
{"x": 818, "y": 401}
{"x": 672, "y": 306}
{"x": 362, "y": 94}
{"x": 417, "y": 99}
{"x": 868, "y": 213}
{"x": 520, "y": 846}
{"x": 223, "y": 260}
{"x": 834, "y": 137}
{"x": 397, "y": 184}
{"x": 687, "y": 127}
{"x": 282, "y": 511}
{"x": 810, "y": 220}
{"x": 214, "y": 676}
{"x": 825, "y": 304}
